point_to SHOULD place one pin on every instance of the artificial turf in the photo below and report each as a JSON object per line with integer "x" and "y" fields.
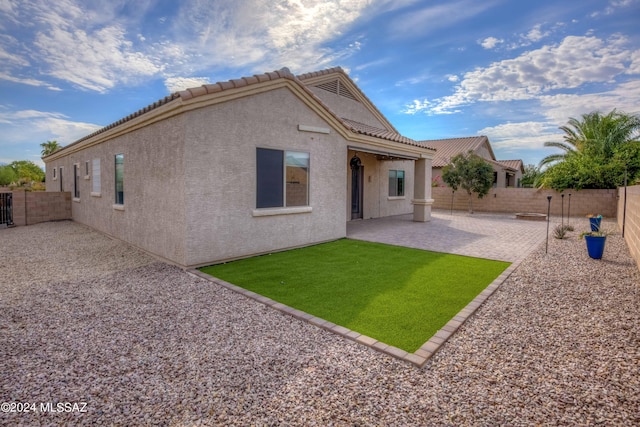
{"x": 397, "y": 295}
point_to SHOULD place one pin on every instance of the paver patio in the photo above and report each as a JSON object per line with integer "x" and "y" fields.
{"x": 500, "y": 237}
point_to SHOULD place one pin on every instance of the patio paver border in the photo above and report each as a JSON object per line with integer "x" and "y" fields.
{"x": 419, "y": 358}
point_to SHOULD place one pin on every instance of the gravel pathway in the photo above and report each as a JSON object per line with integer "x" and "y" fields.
{"x": 84, "y": 318}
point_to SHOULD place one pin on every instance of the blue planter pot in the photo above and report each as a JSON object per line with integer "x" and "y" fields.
{"x": 595, "y": 246}
{"x": 595, "y": 223}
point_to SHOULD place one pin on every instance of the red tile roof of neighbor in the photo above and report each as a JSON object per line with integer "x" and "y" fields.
{"x": 283, "y": 73}
{"x": 513, "y": 164}
{"x": 448, "y": 148}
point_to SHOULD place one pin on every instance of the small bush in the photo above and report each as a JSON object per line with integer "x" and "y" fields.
{"x": 560, "y": 232}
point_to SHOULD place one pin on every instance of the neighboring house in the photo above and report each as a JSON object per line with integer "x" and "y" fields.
{"x": 506, "y": 173}
{"x": 244, "y": 167}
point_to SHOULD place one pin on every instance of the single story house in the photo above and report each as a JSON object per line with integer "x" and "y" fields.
{"x": 244, "y": 167}
{"x": 506, "y": 173}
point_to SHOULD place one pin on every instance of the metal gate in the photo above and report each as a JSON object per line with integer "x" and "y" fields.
{"x": 6, "y": 211}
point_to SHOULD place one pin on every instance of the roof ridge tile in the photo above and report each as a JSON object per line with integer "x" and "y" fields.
{"x": 213, "y": 88}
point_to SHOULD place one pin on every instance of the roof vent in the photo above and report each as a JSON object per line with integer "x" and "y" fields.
{"x": 336, "y": 87}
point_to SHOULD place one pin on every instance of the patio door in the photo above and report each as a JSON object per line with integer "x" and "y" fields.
{"x": 357, "y": 184}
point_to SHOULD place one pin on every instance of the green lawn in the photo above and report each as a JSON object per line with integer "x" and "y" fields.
{"x": 397, "y": 295}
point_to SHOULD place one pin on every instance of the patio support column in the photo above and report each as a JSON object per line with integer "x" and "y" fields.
{"x": 422, "y": 200}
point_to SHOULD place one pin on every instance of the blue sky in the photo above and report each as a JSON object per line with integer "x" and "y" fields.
{"x": 510, "y": 69}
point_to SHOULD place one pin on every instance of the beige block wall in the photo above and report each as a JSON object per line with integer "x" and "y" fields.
{"x": 532, "y": 200}
{"x": 153, "y": 217}
{"x": 220, "y": 160}
{"x": 33, "y": 207}
{"x": 630, "y": 217}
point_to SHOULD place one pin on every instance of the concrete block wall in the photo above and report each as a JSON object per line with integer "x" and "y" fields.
{"x": 33, "y": 207}
{"x": 531, "y": 200}
{"x": 630, "y": 218}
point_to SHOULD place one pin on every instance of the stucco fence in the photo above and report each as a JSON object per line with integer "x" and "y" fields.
{"x": 629, "y": 219}
{"x": 33, "y": 207}
{"x": 531, "y": 200}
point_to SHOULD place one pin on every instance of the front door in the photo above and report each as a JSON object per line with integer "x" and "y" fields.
{"x": 357, "y": 184}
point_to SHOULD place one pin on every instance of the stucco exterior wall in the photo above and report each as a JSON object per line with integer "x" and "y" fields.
{"x": 190, "y": 174}
{"x": 222, "y": 219}
{"x": 346, "y": 107}
{"x": 153, "y": 216}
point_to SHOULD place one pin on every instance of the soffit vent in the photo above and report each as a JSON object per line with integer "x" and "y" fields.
{"x": 336, "y": 87}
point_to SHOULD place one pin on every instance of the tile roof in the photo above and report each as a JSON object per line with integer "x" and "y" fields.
{"x": 500, "y": 164}
{"x": 364, "y": 129}
{"x": 512, "y": 164}
{"x": 283, "y": 73}
{"x": 448, "y": 148}
{"x": 324, "y": 72}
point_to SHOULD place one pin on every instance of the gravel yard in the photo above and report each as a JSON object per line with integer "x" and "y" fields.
{"x": 84, "y": 318}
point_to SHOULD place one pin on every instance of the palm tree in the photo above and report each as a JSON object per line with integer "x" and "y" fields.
{"x": 49, "y": 147}
{"x": 595, "y": 135}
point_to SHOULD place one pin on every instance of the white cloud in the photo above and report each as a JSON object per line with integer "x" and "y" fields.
{"x": 616, "y": 4}
{"x": 417, "y": 106}
{"x": 31, "y": 126}
{"x": 430, "y": 19}
{"x": 557, "y": 109}
{"x": 175, "y": 84}
{"x": 424, "y": 105}
{"x": 375, "y": 63}
{"x": 524, "y": 135}
{"x": 624, "y": 97}
{"x": 570, "y": 64}
{"x": 93, "y": 46}
{"x": 78, "y": 42}
{"x": 254, "y": 33}
{"x": 536, "y": 34}
{"x": 490, "y": 42}
{"x": 28, "y": 82}
{"x": 7, "y": 58}
{"x": 97, "y": 60}
{"x": 453, "y": 78}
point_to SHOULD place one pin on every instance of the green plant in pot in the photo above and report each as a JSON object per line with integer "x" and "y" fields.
{"x": 595, "y": 243}
{"x": 595, "y": 221}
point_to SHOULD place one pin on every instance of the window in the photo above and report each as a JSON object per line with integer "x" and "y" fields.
{"x": 119, "y": 162}
{"x": 54, "y": 173}
{"x": 86, "y": 169}
{"x": 282, "y": 178}
{"x": 95, "y": 182}
{"x": 396, "y": 183}
{"x": 76, "y": 181}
